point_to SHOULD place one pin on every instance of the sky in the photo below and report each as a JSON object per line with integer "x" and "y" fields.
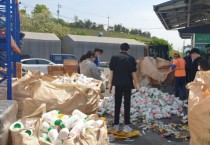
{"x": 130, "y": 13}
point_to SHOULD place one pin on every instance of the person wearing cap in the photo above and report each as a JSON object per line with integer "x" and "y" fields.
{"x": 122, "y": 73}
{"x": 195, "y": 55}
{"x": 180, "y": 75}
{"x": 188, "y": 66}
{"x": 98, "y": 52}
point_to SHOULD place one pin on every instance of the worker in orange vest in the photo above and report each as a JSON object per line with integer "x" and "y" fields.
{"x": 180, "y": 75}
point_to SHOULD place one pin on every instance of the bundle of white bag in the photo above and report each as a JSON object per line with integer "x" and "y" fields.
{"x": 148, "y": 104}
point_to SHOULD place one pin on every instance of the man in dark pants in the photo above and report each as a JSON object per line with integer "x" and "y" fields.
{"x": 195, "y": 54}
{"x": 188, "y": 66}
{"x": 122, "y": 74}
{"x": 180, "y": 75}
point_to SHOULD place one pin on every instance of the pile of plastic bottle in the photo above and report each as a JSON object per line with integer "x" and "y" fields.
{"x": 55, "y": 127}
{"x": 78, "y": 79}
{"x": 149, "y": 104}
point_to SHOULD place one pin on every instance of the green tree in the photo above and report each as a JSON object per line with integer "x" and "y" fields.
{"x": 88, "y": 24}
{"x": 136, "y": 32}
{"x": 118, "y": 28}
{"x": 40, "y": 20}
{"x": 61, "y": 22}
{"x": 94, "y": 26}
{"x": 159, "y": 41}
{"x": 40, "y": 8}
{"x": 22, "y": 11}
{"x": 58, "y": 29}
{"x": 26, "y": 23}
{"x": 100, "y": 27}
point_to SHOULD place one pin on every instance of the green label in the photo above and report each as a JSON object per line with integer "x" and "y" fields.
{"x": 202, "y": 38}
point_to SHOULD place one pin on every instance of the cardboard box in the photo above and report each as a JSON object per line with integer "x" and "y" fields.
{"x": 68, "y": 62}
{"x": 70, "y": 66}
{"x": 19, "y": 70}
{"x": 70, "y": 69}
{"x": 55, "y": 70}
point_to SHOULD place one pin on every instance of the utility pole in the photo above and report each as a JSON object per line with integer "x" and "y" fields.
{"x": 58, "y": 11}
{"x": 108, "y": 23}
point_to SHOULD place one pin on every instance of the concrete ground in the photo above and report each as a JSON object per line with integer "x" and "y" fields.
{"x": 151, "y": 137}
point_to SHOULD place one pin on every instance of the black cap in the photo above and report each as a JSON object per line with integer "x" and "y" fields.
{"x": 188, "y": 52}
{"x": 195, "y": 50}
{"x": 100, "y": 50}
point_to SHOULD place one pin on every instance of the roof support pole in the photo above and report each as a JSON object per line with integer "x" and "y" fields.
{"x": 188, "y": 12}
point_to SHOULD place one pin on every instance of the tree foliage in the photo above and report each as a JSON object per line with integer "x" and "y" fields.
{"x": 42, "y": 21}
{"x": 159, "y": 41}
{"x": 40, "y": 8}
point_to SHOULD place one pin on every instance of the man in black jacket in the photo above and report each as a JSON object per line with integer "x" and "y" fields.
{"x": 195, "y": 54}
{"x": 122, "y": 73}
{"x": 188, "y": 66}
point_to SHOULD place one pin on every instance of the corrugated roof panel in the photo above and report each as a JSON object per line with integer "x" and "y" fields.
{"x": 96, "y": 39}
{"x": 40, "y": 36}
{"x": 183, "y": 13}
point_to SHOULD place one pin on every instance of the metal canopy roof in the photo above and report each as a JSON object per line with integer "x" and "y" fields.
{"x": 186, "y": 33}
{"x": 41, "y": 36}
{"x": 183, "y": 13}
{"x": 96, "y": 39}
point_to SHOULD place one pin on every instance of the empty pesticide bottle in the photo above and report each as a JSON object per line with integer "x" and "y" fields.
{"x": 77, "y": 129}
{"x": 45, "y": 126}
{"x": 17, "y": 126}
{"x": 26, "y": 133}
{"x": 63, "y": 134}
{"x": 79, "y": 113}
{"x": 53, "y": 134}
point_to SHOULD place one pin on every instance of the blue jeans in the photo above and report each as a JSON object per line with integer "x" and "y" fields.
{"x": 180, "y": 83}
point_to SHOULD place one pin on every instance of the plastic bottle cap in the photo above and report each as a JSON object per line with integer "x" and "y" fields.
{"x": 29, "y": 132}
{"x": 47, "y": 139}
{"x": 59, "y": 112}
{"x": 17, "y": 125}
{"x": 62, "y": 126}
{"x": 60, "y": 116}
{"x": 86, "y": 118}
{"x": 57, "y": 122}
{"x": 50, "y": 129}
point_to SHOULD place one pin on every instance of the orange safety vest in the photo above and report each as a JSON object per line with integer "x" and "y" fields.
{"x": 180, "y": 67}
